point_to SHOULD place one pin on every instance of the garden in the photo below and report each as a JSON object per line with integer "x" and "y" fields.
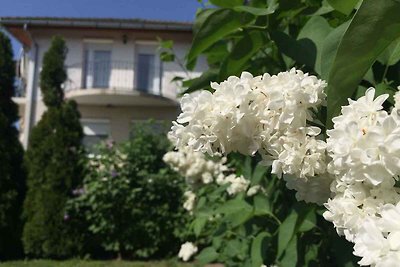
{"x": 285, "y": 152}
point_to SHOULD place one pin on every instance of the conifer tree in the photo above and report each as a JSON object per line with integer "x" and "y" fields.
{"x": 53, "y": 160}
{"x": 12, "y": 175}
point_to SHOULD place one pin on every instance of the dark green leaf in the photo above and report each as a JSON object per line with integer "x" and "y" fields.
{"x": 258, "y": 249}
{"x": 243, "y": 50}
{"x": 167, "y": 57}
{"x": 391, "y": 55}
{"x": 200, "y": 82}
{"x": 286, "y": 231}
{"x": 217, "y": 25}
{"x": 382, "y": 88}
{"x": 168, "y": 44}
{"x": 237, "y": 211}
{"x": 247, "y": 167}
{"x": 316, "y": 29}
{"x": 258, "y": 173}
{"x": 308, "y": 220}
{"x": 227, "y": 3}
{"x": 344, "y": 6}
{"x": 290, "y": 257}
{"x": 207, "y": 255}
{"x": 256, "y": 11}
{"x": 233, "y": 206}
{"x": 262, "y": 206}
{"x": 302, "y": 51}
{"x": 198, "y": 224}
{"x": 374, "y": 27}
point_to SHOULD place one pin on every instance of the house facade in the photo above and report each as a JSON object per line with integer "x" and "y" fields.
{"x": 114, "y": 71}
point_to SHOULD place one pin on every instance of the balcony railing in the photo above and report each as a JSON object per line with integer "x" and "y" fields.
{"x": 20, "y": 87}
{"x": 115, "y": 75}
{"x": 106, "y": 75}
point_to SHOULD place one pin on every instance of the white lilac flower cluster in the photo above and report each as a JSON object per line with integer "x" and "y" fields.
{"x": 365, "y": 149}
{"x": 194, "y": 166}
{"x": 265, "y": 114}
{"x": 188, "y": 249}
{"x": 198, "y": 170}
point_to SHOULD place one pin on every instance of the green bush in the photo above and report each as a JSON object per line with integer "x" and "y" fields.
{"x": 129, "y": 200}
{"x": 12, "y": 175}
{"x": 53, "y": 161}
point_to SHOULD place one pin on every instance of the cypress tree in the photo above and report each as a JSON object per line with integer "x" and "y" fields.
{"x": 12, "y": 175}
{"x": 53, "y": 160}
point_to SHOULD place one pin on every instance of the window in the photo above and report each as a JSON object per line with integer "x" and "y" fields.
{"x": 95, "y": 131}
{"x": 97, "y": 65}
{"x": 148, "y": 69}
{"x": 101, "y": 68}
{"x": 145, "y": 76}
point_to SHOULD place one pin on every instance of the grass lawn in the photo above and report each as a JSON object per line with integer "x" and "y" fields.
{"x": 83, "y": 263}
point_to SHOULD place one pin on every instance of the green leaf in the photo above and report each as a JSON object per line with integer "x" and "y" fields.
{"x": 391, "y": 55}
{"x": 330, "y": 47}
{"x": 227, "y": 3}
{"x": 374, "y": 27}
{"x": 243, "y": 50}
{"x": 383, "y": 88}
{"x": 167, "y": 44}
{"x": 237, "y": 211}
{"x": 233, "y": 248}
{"x": 247, "y": 167}
{"x": 258, "y": 249}
{"x": 344, "y": 6}
{"x": 316, "y": 29}
{"x": 302, "y": 51}
{"x": 324, "y": 9}
{"x": 262, "y": 206}
{"x": 216, "y": 26}
{"x": 286, "y": 232}
{"x": 207, "y": 255}
{"x": 233, "y": 206}
{"x": 258, "y": 174}
{"x": 167, "y": 57}
{"x": 308, "y": 221}
{"x": 256, "y": 11}
{"x": 216, "y": 53}
{"x": 200, "y": 82}
{"x": 311, "y": 254}
{"x": 290, "y": 257}
{"x": 198, "y": 225}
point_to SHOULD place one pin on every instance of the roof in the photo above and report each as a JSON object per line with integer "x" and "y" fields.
{"x": 107, "y": 23}
{"x": 17, "y": 25}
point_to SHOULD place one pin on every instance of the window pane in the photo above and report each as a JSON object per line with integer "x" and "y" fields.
{"x": 101, "y": 68}
{"x": 145, "y": 72}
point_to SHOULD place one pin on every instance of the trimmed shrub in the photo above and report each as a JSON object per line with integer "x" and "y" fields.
{"x": 53, "y": 160}
{"x": 12, "y": 175}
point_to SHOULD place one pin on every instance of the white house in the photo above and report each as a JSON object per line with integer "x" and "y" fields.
{"x": 114, "y": 71}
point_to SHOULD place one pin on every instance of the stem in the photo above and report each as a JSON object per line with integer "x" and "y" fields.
{"x": 385, "y": 72}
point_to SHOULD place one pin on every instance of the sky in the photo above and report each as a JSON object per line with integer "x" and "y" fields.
{"x": 177, "y": 10}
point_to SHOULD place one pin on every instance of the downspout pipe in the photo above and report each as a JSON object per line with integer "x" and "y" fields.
{"x": 31, "y": 92}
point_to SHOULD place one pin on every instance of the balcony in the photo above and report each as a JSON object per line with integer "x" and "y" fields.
{"x": 115, "y": 83}
{"x": 20, "y": 93}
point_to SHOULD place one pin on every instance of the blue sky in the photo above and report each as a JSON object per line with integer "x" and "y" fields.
{"x": 179, "y": 10}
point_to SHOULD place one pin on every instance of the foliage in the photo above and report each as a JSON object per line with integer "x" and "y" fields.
{"x": 53, "y": 74}
{"x": 352, "y": 50}
{"x": 12, "y": 175}
{"x": 53, "y": 161}
{"x": 91, "y": 263}
{"x": 130, "y": 200}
